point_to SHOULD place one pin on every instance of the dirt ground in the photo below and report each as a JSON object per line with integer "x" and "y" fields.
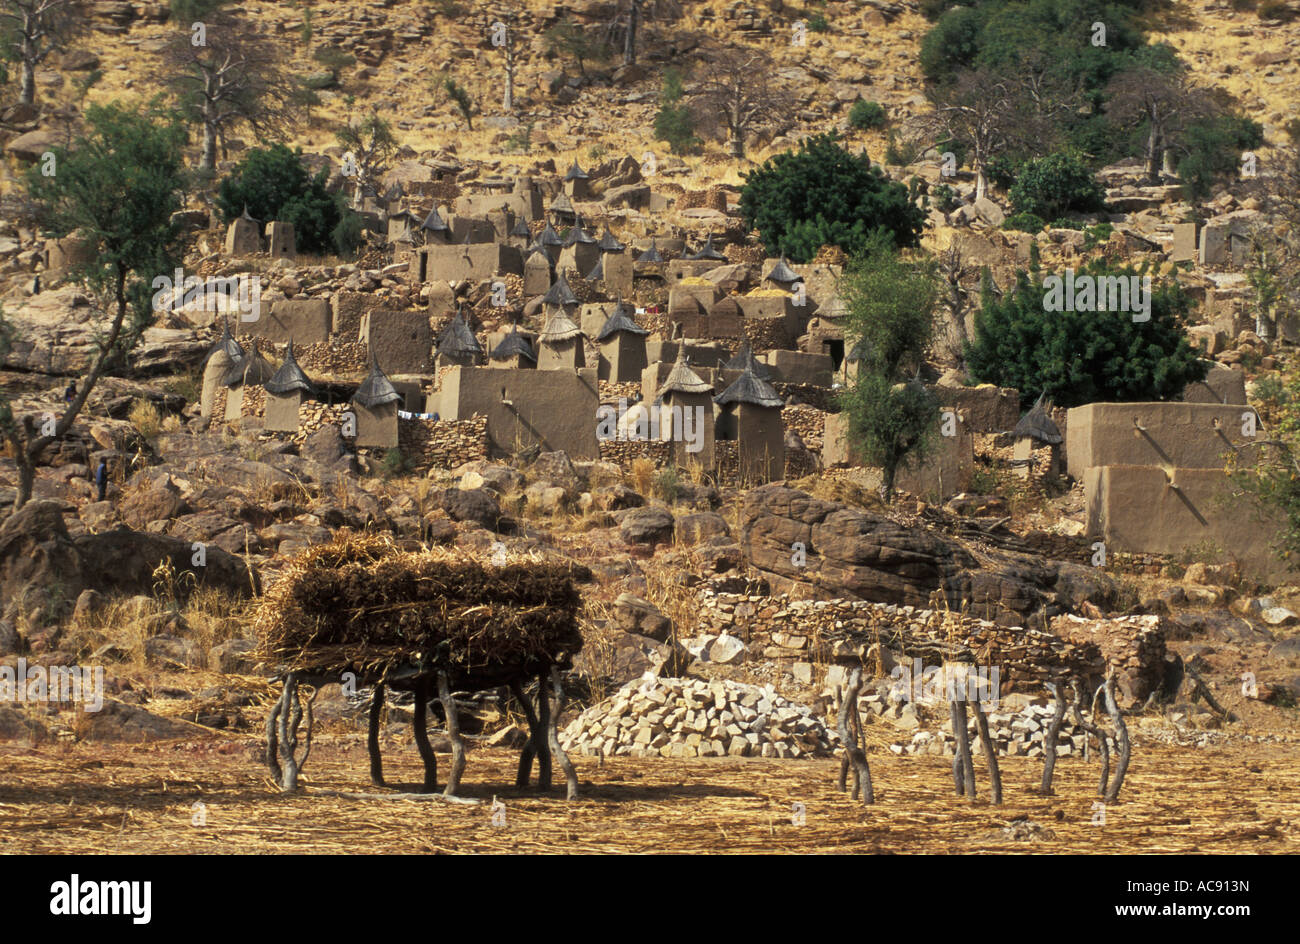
{"x": 89, "y": 798}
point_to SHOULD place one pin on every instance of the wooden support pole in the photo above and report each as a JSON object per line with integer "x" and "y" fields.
{"x": 420, "y": 724}
{"x": 542, "y": 744}
{"x": 1121, "y": 741}
{"x": 553, "y": 738}
{"x": 857, "y": 757}
{"x": 1049, "y": 739}
{"x": 1102, "y": 747}
{"x": 526, "y": 755}
{"x": 372, "y": 736}
{"x": 963, "y": 746}
{"x": 453, "y": 733}
{"x": 990, "y": 751}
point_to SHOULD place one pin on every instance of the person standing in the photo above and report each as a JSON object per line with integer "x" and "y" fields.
{"x": 101, "y": 478}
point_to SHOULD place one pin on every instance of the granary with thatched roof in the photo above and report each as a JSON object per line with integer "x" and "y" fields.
{"x": 520, "y": 234}
{"x": 782, "y": 276}
{"x": 751, "y": 415}
{"x": 744, "y": 360}
{"x": 375, "y": 405}
{"x": 457, "y": 345}
{"x": 580, "y": 251}
{"x": 651, "y": 257}
{"x": 622, "y": 346}
{"x": 251, "y": 370}
{"x": 515, "y": 350}
{"x": 706, "y": 253}
{"x": 243, "y": 236}
{"x": 608, "y": 243}
{"x": 285, "y": 393}
{"x": 434, "y": 229}
{"x": 562, "y": 212}
{"x": 576, "y": 183}
{"x": 222, "y": 356}
{"x": 550, "y": 242}
{"x": 559, "y": 299}
{"x": 1035, "y": 434}
{"x": 684, "y": 402}
{"x": 561, "y": 345}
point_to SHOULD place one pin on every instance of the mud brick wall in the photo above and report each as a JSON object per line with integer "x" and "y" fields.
{"x": 823, "y": 398}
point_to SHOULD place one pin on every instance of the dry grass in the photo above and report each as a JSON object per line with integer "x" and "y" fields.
{"x": 146, "y": 419}
{"x": 100, "y": 799}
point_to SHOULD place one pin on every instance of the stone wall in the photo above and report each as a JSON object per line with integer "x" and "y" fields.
{"x": 623, "y": 452}
{"x": 442, "y": 444}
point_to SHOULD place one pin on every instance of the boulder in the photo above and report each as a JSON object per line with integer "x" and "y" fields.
{"x": 474, "y": 504}
{"x": 647, "y": 526}
{"x": 233, "y": 657}
{"x": 118, "y": 721}
{"x": 635, "y": 615}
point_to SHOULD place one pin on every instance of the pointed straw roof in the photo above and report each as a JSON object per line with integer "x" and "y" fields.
{"x": 597, "y": 272}
{"x": 434, "y": 222}
{"x": 707, "y": 252}
{"x": 549, "y": 237}
{"x": 562, "y": 203}
{"x": 376, "y": 389}
{"x": 749, "y": 388}
{"x": 245, "y": 216}
{"x": 559, "y": 329}
{"x": 622, "y": 319}
{"x": 290, "y": 376}
{"x": 578, "y": 235}
{"x": 521, "y": 229}
{"x": 781, "y": 272}
{"x": 559, "y": 293}
{"x": 681, "y": 379}
{"x": 1037, "y": 424}
{"x": 745, "y": 360}
{"x": 650, "y": 256}
{"x": 251, "y": 369}
{"x": 575, "y": 172}
{"x": 457, "y": 339}
{"x": 395, "y": 192}
{"x": 225, "y": 343}
{"x": 608, "y": 243}
{"x": 514, "y": 344}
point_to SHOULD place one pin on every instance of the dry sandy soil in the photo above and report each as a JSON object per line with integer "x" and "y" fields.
{"x": 99, "y": 799}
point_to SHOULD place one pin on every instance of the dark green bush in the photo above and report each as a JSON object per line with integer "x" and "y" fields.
{"x": 1213, "y": 151}
{"x": 1024, "y": 222}
{"x": 821, "y": 195}
{"x": 865, "y": 115}
{"x": 274, "y": 185}
{"x": 1051, "y": 186}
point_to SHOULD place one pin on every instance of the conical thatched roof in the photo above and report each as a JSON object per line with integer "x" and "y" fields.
{"x": 1038, "y": 425}
{"x": 623, "y": 318}
{"x": 514, "y": 344}
{"x": 521, "y": 229}
{"x": 559, "y": 329}
{"x": 745, "y": 360}
{"x": 578, "y": 235}
{"x": 290, "y": 376}
{"x": 859, "y": 351}
{"x": 749, "y": 388}
{"x": 561, "y": 203}
{"x": 707, "y": 252}
{"x": 434, "y": 223}
{"x": 781, "y": 272}
{"x": 559, "y": 293}
{"x": 681, "y": 379}
{"x": 575, "y": 172}
{"x": 549, "y": 237}
{"x": 597, "y": 271}
{"x": 251, "y": 369}
{"x": 457, "y": 339}
{"x": 225, "y": 343}
{"x": 245, "y": 216}
{"x": 608, "y": 243}
{"x": 376, "y": 389}
{"x": 395, "y": 192}
{"x": 650, "y": 256}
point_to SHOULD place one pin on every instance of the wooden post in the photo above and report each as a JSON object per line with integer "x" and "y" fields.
{"x": 1102, "y": 747}
{"x": 962, "y": 759}
{"x": 453, "y": 732}
{"x": 421, "y": 726}
{"x": 857, "y": 757}
{"x": 526, "y": 755}
{"x": 372, "y": 737}
{"x": 1049, "y": 739}
{"x": 553, "y": 738}
{"x": 1121, "y": 741}
{"x": 990, "y": 751}
{"x": 542, "y": 743}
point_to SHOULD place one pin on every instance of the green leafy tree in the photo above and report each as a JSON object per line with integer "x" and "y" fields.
{"x": 464, "y": 103}
{"x": 865, "y": 115}
{"x": 118, "y": 185}
{"x": 569, "y": 38}
{"x": 1049, "y": 187}
{"x": 1077, "y": 357}
{"x": 674, "y": 121}
{"x": 890, "y": 321}
{"x": 822, "y": 195}
{"x": 274, "y": 185}
{"x": 1212, "y": 151}
{"x": 371, "y": 144}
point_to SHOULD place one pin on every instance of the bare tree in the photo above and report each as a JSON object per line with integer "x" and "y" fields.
{"x": 734, "y": 91}
{"x": 32, "y": 29}
{"x": 371, "y": 143}
{"x": 625, "y": 26}
{"x": 224, "y": 71}
{"x": 1162, "y": 99}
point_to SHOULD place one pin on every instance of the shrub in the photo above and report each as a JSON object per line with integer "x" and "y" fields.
{"x": 865, "y": 115}
{"x": 1051, "y": 186}
{"x": 1077, "y": 357}
{"x": 676, "y": 125}
{"x": 822, "y": 195}
{"x": 818, "y": 23}
{"x": 1024, "y": 222}
{"x": 944, "y": 199}
{"x": 274, "y": 185}
{"x": 1214, "y": 150}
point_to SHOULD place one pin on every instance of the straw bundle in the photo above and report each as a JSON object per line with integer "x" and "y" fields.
{"x": 360, "y": 603}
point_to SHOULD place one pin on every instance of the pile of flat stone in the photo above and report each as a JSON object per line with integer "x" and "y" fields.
{"x": 684, "y": 717}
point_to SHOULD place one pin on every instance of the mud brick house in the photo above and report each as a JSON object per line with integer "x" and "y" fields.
{"x": 621, "y": 343}
{"x": 375, "y": 405}
{"x": 400, "y": 338}
{"x": 285, "y": 393}
{"x": 751, "y": 416}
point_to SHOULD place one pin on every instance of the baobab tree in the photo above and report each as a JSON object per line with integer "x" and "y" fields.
{"x": 224, "y": 71}
{"x": 32, "y": 29}
{"x": 734, "y": 92}
{"x": 1162, "y": 99}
